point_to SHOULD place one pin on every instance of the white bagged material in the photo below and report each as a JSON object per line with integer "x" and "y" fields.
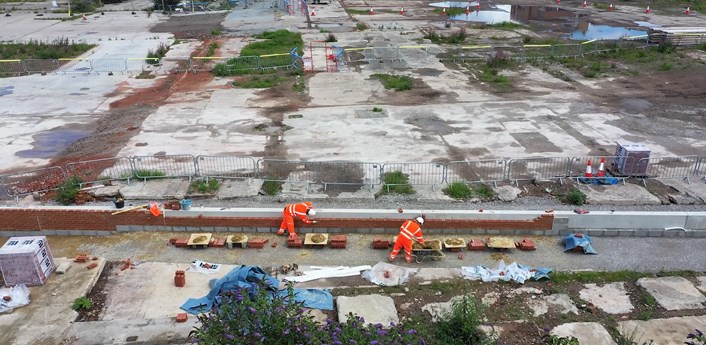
{"x": 514, "y": 272}
{"x": 19, "y": 295}
{"x": 396, "y": 275}
{"x": 204, "y": 267}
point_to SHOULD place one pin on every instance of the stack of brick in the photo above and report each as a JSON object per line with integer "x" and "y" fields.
{"x": 381, "y": 243}
{"x": 339, "y": 241}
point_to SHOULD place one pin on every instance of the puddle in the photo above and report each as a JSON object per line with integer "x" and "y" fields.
{"x": 588, "y": 31}
{"x": 329, "y": 25}
{"x": 6, "y": 90}
{"x": 50, "y": 143}
{"x": 459, "y": 4}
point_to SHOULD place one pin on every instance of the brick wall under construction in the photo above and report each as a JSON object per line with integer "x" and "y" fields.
{"x": 86, "y": 221}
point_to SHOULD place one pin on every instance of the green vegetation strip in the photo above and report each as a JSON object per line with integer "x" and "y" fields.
{"x": 57, "y": 49}
{"x": 395, "y": 82}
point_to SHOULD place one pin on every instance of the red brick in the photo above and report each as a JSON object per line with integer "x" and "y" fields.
{"x": 257, "y": 243}
{"x": 81, "y": 258}
{"x": 380, "y": 243}
{"x": 218, "y": 243}
{"x": 294, "y": 242}
{"x": 173, "y": 240}
{"x": 182, "y": 317}
{"x": 181, "y": 242}
{"x": 526, "y": 244}
{"x": 475, "y": 244}
{"x": 338, "y": 241}
{"x": 93, "y": 265}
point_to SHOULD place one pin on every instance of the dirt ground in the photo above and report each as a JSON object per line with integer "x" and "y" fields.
{"x": 189, "y": 27}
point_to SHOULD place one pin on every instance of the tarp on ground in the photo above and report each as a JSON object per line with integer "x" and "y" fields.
{"x": 572, "y": 241}
{"x": 19, "y": 296}
{"x": 607, "y": 180}
{"x": 514, "y": 271}
{"x": 396, "y": 275}
{"x": 253, "y": 278}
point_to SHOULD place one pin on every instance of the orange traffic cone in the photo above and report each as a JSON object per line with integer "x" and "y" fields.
{"x": 402, "y": 11}
{"x": 584, "y": 4}
{"x": 478, "y": 6}
{"x": 647, "y": 10}
{"x": 468, "y": 10}
{"x": 688, "y": 10}
{"x": 443, "y": 11}
{"x": 558, "y": 1}
{"x": 601, "y": 168}
{"x": 371, "y": 11}
{"x": 313, "y": 13}
{"x": 610, "y": 8}
{"x": 589, "y": 171}
{"x": 154, "y": 209}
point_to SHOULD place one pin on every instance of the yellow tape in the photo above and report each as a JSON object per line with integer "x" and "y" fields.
{"x": 476, "y": 47}
{"x": 536, "y": 45}
{"x": 269, "y": 55}
{"x": 10, "y": 60}
{"x": 591, "y": 41}
{"x": 71, "y": 59}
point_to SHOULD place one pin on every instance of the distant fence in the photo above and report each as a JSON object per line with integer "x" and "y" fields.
{"x": 139, "y": 65}
{"x": 347, "y": 173}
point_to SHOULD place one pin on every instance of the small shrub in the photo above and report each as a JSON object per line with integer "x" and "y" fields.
{"x": 484, "y": 192}
{"x": 153, "y": 56}
{"x": 396, "y": 82}
{"x": 377, "y": 110}
{"x": 361, "y": 27}
{"x": 82, "y": 303}
{"x": 212, "y": 48}
{"x": 259, "y": 82}
{"x": 330, "y": 38}
{"x": 299, "y": 87}
{"x": 575, "y": 197}
{"x": 432, "y": 35}
{"x": 461, "y": 325}
{"x": 701, "y": 46}
{"x": 458, "y": 190}
{"x": 554, "y": 340}
{"x": 696, "y": 338}
{"x": 271, "y": 187}
{"x": 458, "y": 36}
{"x": 203, "y": 186}
{"x": 396, "y": 182}
{"x": 148, "y": 173}
{"x": 215, "y": 32}
{"x": 68, "y": 190}
{"x": 665, "y": 66}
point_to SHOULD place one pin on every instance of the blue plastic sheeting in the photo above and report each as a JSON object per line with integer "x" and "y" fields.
{"x": 571, "y": 241}
{"x": 250, "y": 278}
{"x": 607, "y": 180}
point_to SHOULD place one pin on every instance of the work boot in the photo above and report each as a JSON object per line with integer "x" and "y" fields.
{"x": 280, "y": 232}
{"x": 293, "y": 236}
{"x": 391, "y": 258}
{"x": 409, "y": 259}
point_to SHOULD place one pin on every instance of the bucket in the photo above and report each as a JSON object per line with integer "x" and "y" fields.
{"x": 185, "y": 204}
{"x": 119, "y": 203}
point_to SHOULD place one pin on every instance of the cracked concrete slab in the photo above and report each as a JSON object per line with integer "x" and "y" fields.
{"x": 373, "y": 309}
{"x": 619, "y": 194}
{"x": 231, "y": 189}
{"x": 439, "y": 309}
{"x": 662, "y": 331}
{"x": 562, "y": 301}
{"x": 612, "y": 298}
{"x": 586, "y": 332}
{"x": 157, "y": 189}
{"x": 140, "y": 331}
{"x": 673, "y": 293}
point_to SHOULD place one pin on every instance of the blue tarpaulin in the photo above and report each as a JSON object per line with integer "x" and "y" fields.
{"x": 253, "y": 278}
{"x": 584, "y": 241}
{"x": 607, "y": 180}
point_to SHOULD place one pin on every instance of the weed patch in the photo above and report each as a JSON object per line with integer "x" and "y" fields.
{"x": 271, "y": 187}
{"x": 396, "y": 182}
{"x": 212, "y": 48}
{"x": 82, "y": 303}
{"x": 456, "y": 37}
{"x": 203, "y": 186}
{"x": 57, "y": 49}
{"x": 153, "y": 56}
{"x": 146, "y": 174}
{"x": 395, "y": 82}
{"x": 484, "y": 192}
{"x": 458, "y": 190}
{"x": 68, "y": 190}
{"x": 259, "y": 81}
{"x": 575, "y": 197}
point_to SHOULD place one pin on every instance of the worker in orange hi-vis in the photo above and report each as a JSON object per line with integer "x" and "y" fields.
{"x": 301, "y": 210}
{"x": 411, "y": 230}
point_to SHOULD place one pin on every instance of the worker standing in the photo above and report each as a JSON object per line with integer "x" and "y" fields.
{"x": 411, "y": 230}
{"x": 301, "y": 210}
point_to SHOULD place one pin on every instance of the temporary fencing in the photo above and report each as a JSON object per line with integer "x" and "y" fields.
{"x": 226, "y": 167}
{"x": 671, "y": 167}
{"x": 12, "y": 67}
{"x": 417, "y": 174}
{"x": 146, "y": 167}
{"x": 40, "y": 180}
{"x": 287, "y": 171}
{"x": 119, "y": 168}
{"x": 489, "y": 170}
{"x": 544, "y": 168}
{"x": 350, "y": 173}
{"x": 41, "y": 65}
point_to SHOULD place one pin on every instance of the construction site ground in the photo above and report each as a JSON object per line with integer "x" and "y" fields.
{"x": 450, "y": 115}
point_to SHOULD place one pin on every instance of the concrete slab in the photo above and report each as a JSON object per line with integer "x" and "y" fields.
{"x": 695, "y": 190}
{"x": 139, "y": 331}
{"x": 586, "y": 332}
{"x": 432, "y": 273}
{"x": 372, "y": 308}
{"x": 662, "y": 331}
{"x": 148, "y": 291}
{"x": 673, "y": 293}
{"x": 702, "y": 284}
{"x": 440, "y": 309}
{"x": 157, "y": 189}
{"x": 628, "y": 194}
{"x": 612, "y": 298}
{"x": 231, "y": 189}
{"x": 561, "y": 301}
{"x": 49, "y": 312}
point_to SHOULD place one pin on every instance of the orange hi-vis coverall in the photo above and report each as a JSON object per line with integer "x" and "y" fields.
{"x": 290, "y": 211}
{"x": 408, "y": 231}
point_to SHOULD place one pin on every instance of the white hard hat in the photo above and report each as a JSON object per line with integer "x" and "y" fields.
{"x": 311, "y": 212}
{"x": 419, "y": 220}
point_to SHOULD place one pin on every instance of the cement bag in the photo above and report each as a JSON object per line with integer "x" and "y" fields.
{"x": 385, "y": 274}
{"x": 19, "y": 296}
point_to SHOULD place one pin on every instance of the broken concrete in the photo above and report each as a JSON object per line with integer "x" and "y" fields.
{"x": 440, "y": 309}
{"x": 563, "y": 301}
{"x": 619, "y": 194}
{"x": 586, "y": 332}
{"x": 139, "y": 331}
{"x": 611, "y": 298}
{"x": 702, "y": 283}
{"x": 157, "y": 189}
{"x": 231, "y": 189}
{"x": 673, "y": 293}
{"x": 507, "y": 193}
{"x": 373, "y": 309}
{"x": 105, "y": 191}
{"x": 662, "y": 331}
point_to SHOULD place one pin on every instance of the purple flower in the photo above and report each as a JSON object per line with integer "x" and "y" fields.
{"x": 701, "y": 334}
{"x": 374, "y": 342}
{"x": 286, "y": 331}
{"x": 229, "y": 336}
{"x": 411, "y": 331}
{"x": 251, "y": 309}
{"x": 382, "y": 332}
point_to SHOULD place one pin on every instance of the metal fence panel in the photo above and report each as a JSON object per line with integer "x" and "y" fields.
{"x": 41, "y": 65}
{"x": 226, "y": 166}
{"x": 671, "y": 167}
{"x": 544, "y": 168}
{"x": 578, "y": 164}
{"x": 350, "y": 173}
{"x": 164, "y": 166}
{"x": 288, "y": 171}
{"x": 489, "y": 170}
{"x": 426, "y": 173}
{"x": 119, "y": 168}
{"x": 75, "y": 65}
{"x": 39, "y": 180}
{"x": 11, "y": 67}
{"x": 108, "y": 65}
{"x": 138, "y": 64}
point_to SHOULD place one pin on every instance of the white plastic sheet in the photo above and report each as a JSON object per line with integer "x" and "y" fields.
{"x": 396, "y": 275}
{"x": 327, "y": 272}
{"x": 19, "y": 295}
{"x": 204, "y": 267}
{"x": 513, "y": 271}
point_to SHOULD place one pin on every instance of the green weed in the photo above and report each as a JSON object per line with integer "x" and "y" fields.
{"x": 259, "y": 82}
{"x": 575, "y": 197}
{"x": 153, "y": 56}
{"x": 396, "y": 182}
{"x": 215, "y": 32}
{"x": 82, "y": 303}
{"x": 68, "y": 190}
{"x": 275, "y": 42}
{"x": 147, "y": 174}
{"x": 203, "y": 186}
{"x": 271, "y": 187}
{"x": 330, "y": 38}
{"x": 458, "y": 190}
{"x": 461, "y": 325}
{"x": 57, "y": 49}
{"x": 360, "y": 27}
{"x": 395, "y": 82}
{"x": 504, "y": 25}
{"x": 484, "y": 192}
{"x": 597, "y": 277}
{"x": 377, "y": 110}
{"x": 212, "y": 48}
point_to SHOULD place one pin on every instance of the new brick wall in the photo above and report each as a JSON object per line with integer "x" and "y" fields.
{"x": 37, "y": 219}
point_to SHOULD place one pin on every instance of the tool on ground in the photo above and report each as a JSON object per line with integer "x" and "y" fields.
{"x": 130, "y": 209}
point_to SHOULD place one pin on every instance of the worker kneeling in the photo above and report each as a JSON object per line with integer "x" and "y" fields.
{"x": 410, "y": 231}
{"x": 301, "y": 211}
